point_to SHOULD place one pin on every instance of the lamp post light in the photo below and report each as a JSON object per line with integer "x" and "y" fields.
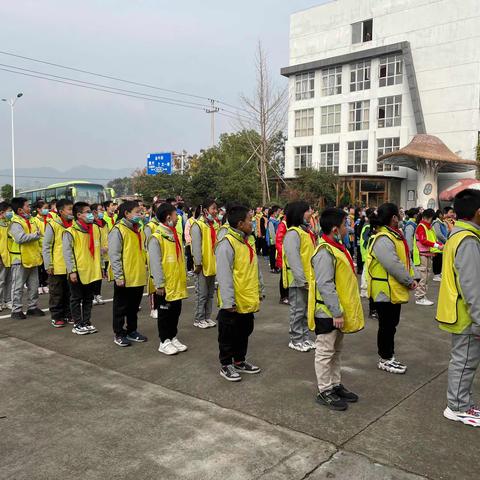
{"x": 12, "y": 102}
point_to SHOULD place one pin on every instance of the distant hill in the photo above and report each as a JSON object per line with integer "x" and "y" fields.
{"x": 39, "y": 177}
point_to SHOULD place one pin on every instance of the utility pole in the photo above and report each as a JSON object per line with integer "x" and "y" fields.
{"x": 212, "y": 111}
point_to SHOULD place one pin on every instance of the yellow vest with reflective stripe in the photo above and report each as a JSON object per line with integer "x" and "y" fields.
{"x": 88, "y": 267}
{"x": 346, "y": 285}
{"x": 110, "y": 221}
{"x": 40, "y": 224}
{"x": 5, "y": 242}
{"x": 30, "y": 254}
{"x": 56, "y": 250}
{"x": 179, "y": 226}
{"x": 306, "y": 251}
{"x": 245, "y": 275}
{"x": 378, "y": 279}
{"x": 173, "y": 265}
{"x": 209, "y": 268}
{"x": 452, "y": 310}
{"x": 133, "y": 257}
{"x": 431, "y": 236}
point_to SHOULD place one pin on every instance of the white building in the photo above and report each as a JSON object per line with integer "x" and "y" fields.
{"x": 367, "y": 75}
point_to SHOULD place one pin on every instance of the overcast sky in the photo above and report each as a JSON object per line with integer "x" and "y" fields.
{"x": 201, "y": 47}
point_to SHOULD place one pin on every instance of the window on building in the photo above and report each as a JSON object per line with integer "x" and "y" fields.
{"x": 360, "y": 76}
{"x": 303, "y": 157}
{"x": 304, "y": 122}
{"x": 305, "y": 86}
{"x": 362, "y": 31}
{"x": 359, "y": 118}
{"x": 390, "y": 70}
{"x": 332, "y": 81}
{"x": 357, "y": 156}
{"x": 329, "y": 157}
{"x": 390, "y": 111}
{"x": 387, "y": 145}
{"x": 330, "y": 119}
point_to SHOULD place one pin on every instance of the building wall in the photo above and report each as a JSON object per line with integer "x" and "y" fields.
{"x": 444, "y": 37}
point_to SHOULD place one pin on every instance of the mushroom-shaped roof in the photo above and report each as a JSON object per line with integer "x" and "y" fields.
{"x": 428, "y": 147}
{"x": 450, "y": 193}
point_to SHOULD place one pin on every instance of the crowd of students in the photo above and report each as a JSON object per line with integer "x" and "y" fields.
{"x": 67, "y": 249}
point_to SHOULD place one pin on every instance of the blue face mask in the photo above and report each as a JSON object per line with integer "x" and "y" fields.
{"x": 69, "y": 217}
{"x": 209, "y": 217}
{"x": 89, "y": 218}
{"x": 220, "y": 216}
{"x": 100, "y": 215}
{"x": 136, "y": 219}
{"x": 9, "y": 215}
{"x": 26, "y": 215}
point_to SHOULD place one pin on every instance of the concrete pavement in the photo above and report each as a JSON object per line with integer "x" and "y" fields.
{"x": 187, "y": 422}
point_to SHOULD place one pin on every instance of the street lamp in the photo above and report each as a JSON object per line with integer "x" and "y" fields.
{"x": 12, "y": 102}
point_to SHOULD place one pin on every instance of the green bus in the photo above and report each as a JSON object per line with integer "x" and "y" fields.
{"x": 76, "y": 191}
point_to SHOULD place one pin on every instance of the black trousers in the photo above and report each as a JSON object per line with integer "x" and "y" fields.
{"x": 283, "y": 290}
{"x": 233, "y": 332}
{"x": 81, "y": 300}
{"x": 59, "y": 300}
{"x": 167, "y": 321}
{"x": 437, "y": 264}
{"x": 42, "y": 276}
{"x": 272, "y": 253}
{"x": 188, "y": 253}
{"x": 126, "y": 301}
{"x": 388, "y": 319}
{"x": 259, "y": 245}
{"x": 97, "y": 287}
{"x": 359, "y": 261}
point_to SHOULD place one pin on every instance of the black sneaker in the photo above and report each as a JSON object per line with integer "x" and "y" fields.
{"x": 35, "y": 312}
{"x": 136, "y": 337}
{"x": 332, "y": 401}
{"x": 373, "y": 315}
{"x": 347, "y": 395}
{"x": 121, "y": 341}
{"x": 18, "y": 316}
{"x": 229, "y": 373}
{"x": 246, "y": 367}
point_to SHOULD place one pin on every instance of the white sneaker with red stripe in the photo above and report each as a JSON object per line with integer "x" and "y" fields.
{"x": 470, "y": 417}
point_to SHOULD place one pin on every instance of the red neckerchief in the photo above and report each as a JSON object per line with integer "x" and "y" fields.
{"x": 100, "y": 223}
{"x": 44, "y": 219}
{"x": 27, "y": 221}
{"x": 66, "y": 223}
{"x": 313, "y": 238}
{"x": 405, "y": 244}
{"x": 177, "y": 240}
{"x": 213, "y": 233}
{"x": 89, "y": 228}
{"x": 341, "y": 247}
{"x": 250, "y": 249}
{"x": 139, "y": 235}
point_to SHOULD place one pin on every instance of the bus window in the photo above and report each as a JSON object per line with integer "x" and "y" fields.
{"x": 88, "y": 193}
{"x": 61, "y": 192}
{"x": 50, "y": 194}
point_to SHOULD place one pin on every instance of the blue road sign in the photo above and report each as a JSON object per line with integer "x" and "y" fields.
{"x": 159, "y": 163}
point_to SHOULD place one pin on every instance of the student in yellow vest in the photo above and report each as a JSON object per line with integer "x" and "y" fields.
{"x": 458, "y": 311}
{"x": 110, "y": 216}
{"x": 52, "y": 252}
{"x": 204, "y": 237}
{"x": 5, "y": 262}
{"x": 53, "y": 212}
{"x": 425, "y": 247}
{"x": 240, "y": 290}
{"x": 99, "y": 214}
{"x": 25, "y": 257}
{"x": 83, "y": 259}
{"x": 126, "y": 250}
{"x": 390, "y": 279}
{"x": 41, "y": 219}
{"x": 167, "y": 269}
{"x": 298, "y": 246}
{"x": 149, "y": 228}
{"x": 188, "y": 244}
{"x": 334, "y": 307}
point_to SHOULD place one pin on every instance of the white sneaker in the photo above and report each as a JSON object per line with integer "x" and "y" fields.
{"x": 310, "y": 344}
{"x": 154, "y": 313}
{"x": 91, "y": 328}
{"x": 471, "y": 417}
{"x": 210, "y": 322}
{"x": 100, "y": 300}
{"x": 201, "y": 324}
{"x": 437, "y": 278}
{"x": 299, "y": 347}
{"x": 424, "y": 301}
{"x": 9, "y": 305}
{"x": 81, "y": 330}
{"x": 178, "y": 345}
{"x": 391, "y": 366}
{"x": 95, "y": 300}
{"x": 363, "y": 294}
{"x": 168, "y": 348}
{"x": 40, "y": 290}
{"x": 46, "y": 290}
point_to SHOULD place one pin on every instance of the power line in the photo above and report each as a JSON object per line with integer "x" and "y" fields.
{"x": 57, "y": 178}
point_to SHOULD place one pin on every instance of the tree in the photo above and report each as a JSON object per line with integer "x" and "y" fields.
{"x": 6, "y": 192}
{"x": 266, "y": 115}
{"x": 122, "y": 186}
{"x": 317, "y": 187}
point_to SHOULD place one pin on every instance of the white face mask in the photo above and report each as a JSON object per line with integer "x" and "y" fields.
{"x": 170, "y": 223}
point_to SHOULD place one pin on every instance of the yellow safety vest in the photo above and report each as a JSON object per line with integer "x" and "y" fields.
{"x": 209, "y": 267}
{"x": 110, "y": 221}
{"x": 346, "y": 285}
{"x": 133, "y": 257}
{"x": 173, "y": 265}
{"x": 245, "y": 275}
{"x": 5, "y": 242}
{"x": 378, "y": 279}
{"x": 179, "y": 226}
{"x": 306, "y": 251}
{"x": 452, "y": 310}
{"x": 30, "y": 254}
{"x": 87, "y": 267}
{"x": 431, "y": 236}
{"x": 56, "y": 249}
